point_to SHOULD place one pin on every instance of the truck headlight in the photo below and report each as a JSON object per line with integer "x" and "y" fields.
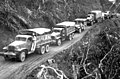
{"x": 5, "y": 49}
{"x": 53, "y": 37}
{"x": 77, "y": 26}
{"x": 17, "y": 48}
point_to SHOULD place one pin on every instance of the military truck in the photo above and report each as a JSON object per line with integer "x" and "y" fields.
{"x": 107, "y": 14}
{"x": 63, "y": 31}
{"x": 94, "y": 17}
{"x": 80, "y": 24}
{"x": 28, "y": 41}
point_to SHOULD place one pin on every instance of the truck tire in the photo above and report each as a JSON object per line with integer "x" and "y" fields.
{"x": 42, "y": 49}
{"x": 59, "y": 42}
{"x": 80, "y": 30}
{"x": 83, "y": 28}
{"x": 73, "y": 35}
{"x": 22, "y": 56}
{"x": 92, "y": 23}
{"x": 6, "y": 58}
{"x": 70, "y": 37}
{"x": 47, "y": 48}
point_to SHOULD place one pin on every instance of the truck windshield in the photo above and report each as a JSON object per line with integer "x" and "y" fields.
{"x": 89, "y": 15}
{"x": 77, "y": 22}
{"x": 20, "y": 39}
{"x": 56, "y": 30}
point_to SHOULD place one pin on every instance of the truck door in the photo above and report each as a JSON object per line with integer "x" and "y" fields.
{"x": 63, "y": 33}
{"x": 34, "y": 39}
{"x": 29, "y": 43}
{"x": 32, "y": 44}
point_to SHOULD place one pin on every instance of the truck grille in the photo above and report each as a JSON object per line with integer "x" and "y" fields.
{"x": 52, "y": 37}
{"x": 11, "y": 48}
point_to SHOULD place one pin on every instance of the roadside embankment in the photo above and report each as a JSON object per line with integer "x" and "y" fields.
{"x": 86, "y": 54}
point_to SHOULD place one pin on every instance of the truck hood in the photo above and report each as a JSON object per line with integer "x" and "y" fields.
{"x": 17, "y": 43}
{"x": 88, "y": 18}
{"x": 77, "y": 25}
{"x": 55, "y": 33}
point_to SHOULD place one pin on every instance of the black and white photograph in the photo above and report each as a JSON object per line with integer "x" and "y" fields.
{"x": 59, "y": 39}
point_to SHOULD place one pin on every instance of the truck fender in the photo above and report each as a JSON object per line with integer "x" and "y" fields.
{"x": 23, "y": 49}
{"x": 58, "y": 38}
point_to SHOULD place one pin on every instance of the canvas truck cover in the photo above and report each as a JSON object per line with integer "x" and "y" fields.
{"x": 43, "y": 39}
{"x": 39, "y": 31}
{"x": 70, "y": 30}
{"x": 97, "y": 13}
{"x": 65, "y": 24}
{"x": 80, "y": 19}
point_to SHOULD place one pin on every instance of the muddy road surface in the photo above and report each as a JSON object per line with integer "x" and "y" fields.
{"x": 17, "y": 70}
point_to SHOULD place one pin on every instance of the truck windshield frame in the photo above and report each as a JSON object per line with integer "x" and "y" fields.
{"x": 21, "y": 39}
{"x": 89, "y": 15}
{"x": 58, "y": 29}
{"x": 78, "y": 22}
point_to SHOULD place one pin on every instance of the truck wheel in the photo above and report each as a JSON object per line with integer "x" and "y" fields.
{"x": 80, "y": 31}
{"x": 91, "y": 23}
{"x": 59, "y": 42}
{"x": 83, "y": 28}
{"x": 6, "y": 58}
{"x": 73, "y": 35}
{"x": 42, "y": 50}
{"x": 22, "y": 56}
{"x": 109, "y": 17}
{"x": 70, "y": 37}
{"x": 47, "y": 48}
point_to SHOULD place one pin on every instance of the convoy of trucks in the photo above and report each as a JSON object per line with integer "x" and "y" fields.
{"x": 63, "y": 31}
{"x": 39, "y": 39}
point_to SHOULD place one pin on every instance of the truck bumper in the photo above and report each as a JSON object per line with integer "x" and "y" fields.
{"x": 10, "y": 54}
{"x": 88, "y": 22}
{"x": 53, "y": 41}
{"x": 77, "y": 29}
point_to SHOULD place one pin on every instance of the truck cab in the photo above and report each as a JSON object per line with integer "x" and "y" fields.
{"x": 107, "y": 14}
{"x": 80, "y": 24}
{"x": 58, "y": 32}
{"x": 28, "y": 41}
{"x": 90, "y": 19}
{"x": 23, "y": 41}
{"x": 94, "y": 16}
{"x": 22, "y": 44}
{"x": 63, "y": 31}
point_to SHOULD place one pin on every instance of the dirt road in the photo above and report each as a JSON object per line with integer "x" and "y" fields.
{"x": 18, "y": 70}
